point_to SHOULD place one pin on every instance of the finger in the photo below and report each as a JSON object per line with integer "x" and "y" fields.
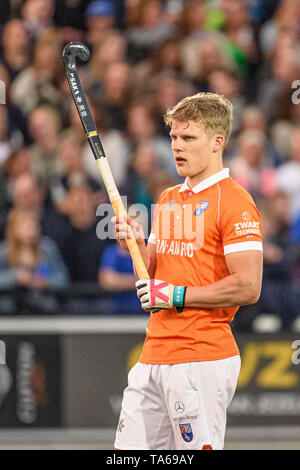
{"x": 142, "y": 292}
{"x": 146, "y": 305}
{"x": 123, "y": 235}
{"x": 124, "y": 228}
{"x": 116, "y": 219}
{"x": 129, "y": 219}
{"x": 140, "y": 283}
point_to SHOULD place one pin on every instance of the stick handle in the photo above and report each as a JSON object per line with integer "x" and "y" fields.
{"x": 70, "y": 53}
{"x": 119, "y": 209}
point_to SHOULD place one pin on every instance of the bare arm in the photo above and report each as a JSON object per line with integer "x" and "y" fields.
{"x": 241, "y": 287}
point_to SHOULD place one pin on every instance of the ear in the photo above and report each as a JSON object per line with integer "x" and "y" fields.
{"x": 218, "y": 143}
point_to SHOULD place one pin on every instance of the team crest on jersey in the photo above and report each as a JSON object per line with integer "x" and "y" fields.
{"x": 186, "y": 432}
{"x": 202, "y": 207}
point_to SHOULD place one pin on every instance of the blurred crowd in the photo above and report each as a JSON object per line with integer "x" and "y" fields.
{"x": 145, "y": 56}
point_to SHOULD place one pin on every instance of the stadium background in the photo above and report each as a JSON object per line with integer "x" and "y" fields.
{"x": 71, "y": 325}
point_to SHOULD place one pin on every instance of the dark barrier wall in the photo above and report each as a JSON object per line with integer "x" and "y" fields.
{"x": 30, "y": 393}
{"x": 72, "y": 373}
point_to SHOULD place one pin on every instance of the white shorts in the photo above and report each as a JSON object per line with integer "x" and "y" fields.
{"x": 178, "y": 406}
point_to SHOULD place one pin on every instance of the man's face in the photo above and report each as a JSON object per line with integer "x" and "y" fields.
{"x": 192, "y": 148}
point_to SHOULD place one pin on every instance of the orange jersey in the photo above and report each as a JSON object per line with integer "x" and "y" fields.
{"x": 193, "y": 231}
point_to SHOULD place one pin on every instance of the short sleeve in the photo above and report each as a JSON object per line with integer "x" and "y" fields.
{"x": 240, "y": 223}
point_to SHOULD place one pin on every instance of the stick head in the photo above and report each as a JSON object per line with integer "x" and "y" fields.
{"x": 74, "y": 50}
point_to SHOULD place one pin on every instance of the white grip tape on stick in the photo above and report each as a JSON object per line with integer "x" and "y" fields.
{"x": 120, "y": 211}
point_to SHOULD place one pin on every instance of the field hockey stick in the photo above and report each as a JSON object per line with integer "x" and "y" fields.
{"x": 70, "y": 53}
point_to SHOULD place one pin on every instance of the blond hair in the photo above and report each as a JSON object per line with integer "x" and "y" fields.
{"x": 14, "y": 245}
{"x": 213, "y": 112}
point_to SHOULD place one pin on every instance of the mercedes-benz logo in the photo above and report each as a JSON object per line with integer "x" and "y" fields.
{"x": 179, "y": 407}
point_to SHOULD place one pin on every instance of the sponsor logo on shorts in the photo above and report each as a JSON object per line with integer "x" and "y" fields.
{"x": 186, "y": 432}
{"x": 186, "y": 418}
{"x": 179, "y": 407}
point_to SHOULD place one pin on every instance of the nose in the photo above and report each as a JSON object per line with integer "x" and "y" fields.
{"x": 177, "y": 145}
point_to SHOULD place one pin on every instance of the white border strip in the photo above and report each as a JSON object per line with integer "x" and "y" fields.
{"x": 242, "y": 246}
{"x": 106, "y": 434}
{"x": 78, "y": 325}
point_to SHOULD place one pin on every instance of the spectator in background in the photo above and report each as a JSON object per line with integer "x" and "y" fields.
{"x": 32, "y": 262}
{"x": 25, "y": 191}
{"x": 5, "y": 142}
{"x": 37, "y": 83}
{"x": 113, "y": 141}
{"x": 274, "y": 92}
{"x": 276, "y": 286}
{"x": 45, "y": 126}
{"x": 15, "y": 47}
{"x": 111, "y": 48}
{"x": 163, "y": 61}
{"x": 99, "y": 19}
{"x": 83, "y": 248}
{"x": 17, "y": 165}
{"x": 27, "y": 194}
{"x": 280, "y": 204}
{"x": 69, "y": 15}
{"x": 169, "y": 91}
{"x": 150, "y": 30}
{"x": 70, "y": 154}
{"x": 143, "y": 168}
{"x": 288, "y": 174}
{"x": 205, "y": 57}
{"x": 116, "y": 275}
{"x": 229, "y": 85}
{"x": 285, "y": 18}
{"x": 240, "y": 34}
{"x": 37, "y": 16}
{"x": 142, "y": 126}
{"x": 5, "y": 153}
{"x": 114, "y": 93}
{"x": 17, "y": 128}
{"x": 253, "y": 119}
{"x": 202, "y": 46}
{"x": 248, "y": 166}
{"x": 193, "y": 18}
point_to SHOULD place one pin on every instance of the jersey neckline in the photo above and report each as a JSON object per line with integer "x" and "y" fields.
{"x": 206, "y": 183}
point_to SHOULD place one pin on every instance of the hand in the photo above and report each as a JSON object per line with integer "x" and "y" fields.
{"x": 128, "y": 228}
{"x": 39, "y": 282}
{"x": 24, "y": 277}
{"x": 156, "y": 295}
